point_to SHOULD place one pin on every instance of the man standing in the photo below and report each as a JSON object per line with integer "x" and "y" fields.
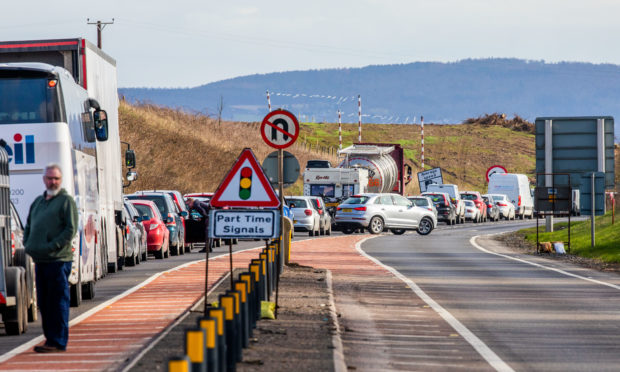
{"x": 203, "y": 209}
{"x": 50, "y": 228}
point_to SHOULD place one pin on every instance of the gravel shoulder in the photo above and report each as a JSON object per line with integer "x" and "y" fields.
{"x": 300, "y": 339}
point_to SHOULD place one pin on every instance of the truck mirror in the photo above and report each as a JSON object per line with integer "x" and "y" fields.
{"x": 131, "y": 176}
{"x": 101, "y": 125}
{"x": 130, "y": 159}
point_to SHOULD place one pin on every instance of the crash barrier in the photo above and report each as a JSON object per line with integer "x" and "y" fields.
{"x": 217, "y": 341}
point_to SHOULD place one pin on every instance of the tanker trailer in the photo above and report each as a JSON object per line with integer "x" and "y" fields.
{"x": 387, "y": 171}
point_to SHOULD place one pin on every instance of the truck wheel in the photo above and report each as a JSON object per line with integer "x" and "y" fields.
{"x": 76, "y": 293}
{"x": 88, "y": 290}
{"x": 21, "y": 259}
{"x": 376, "y": 225}
{"x": 13, "y": 316}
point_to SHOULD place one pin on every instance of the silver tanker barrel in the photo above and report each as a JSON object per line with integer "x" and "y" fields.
{"x": 382, "y": 169}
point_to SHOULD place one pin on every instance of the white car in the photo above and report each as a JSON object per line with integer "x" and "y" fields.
{"x": 379, "y": 212}
{"x": 506, "y": 208}
{"x": 472, "y": 213}
{"x": 305, "y": 216}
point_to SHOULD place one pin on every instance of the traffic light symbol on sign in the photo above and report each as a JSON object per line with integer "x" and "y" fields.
{"x": 245, "y": 183}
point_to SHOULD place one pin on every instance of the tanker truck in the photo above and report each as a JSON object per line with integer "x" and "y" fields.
{"x": 385, "y": 163}
{"x": 364, "y": 167}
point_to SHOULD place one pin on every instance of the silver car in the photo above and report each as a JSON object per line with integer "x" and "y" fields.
{"x": 325, "y": 218}
{"x": 378, "y": 212}
{"x": 424, "y": 202}
{"x": 506, "y": 208}
{"x": 305, "y": 216}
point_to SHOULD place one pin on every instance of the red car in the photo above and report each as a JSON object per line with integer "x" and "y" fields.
{"x": 157, "y": 232}
{"x": 477, "y": 199}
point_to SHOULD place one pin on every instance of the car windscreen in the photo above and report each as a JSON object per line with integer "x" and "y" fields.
{"x": 297, "y": 203}
{"x": 469, "y": 197}
{"x": 144, "y": 210}
{"x": 436, "y": 198}
{"x": 159, "y": 200}
{"x": 420, "y": 202}
{"x": 357, "y": 200}
{"x": 322, "y": 190}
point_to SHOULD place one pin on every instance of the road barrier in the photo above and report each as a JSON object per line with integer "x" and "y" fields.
{"x": 217, "y": 343}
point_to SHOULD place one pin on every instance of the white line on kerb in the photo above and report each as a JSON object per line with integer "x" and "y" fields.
{"x": 473, "y": 242}
{"x": 482, "y": 349}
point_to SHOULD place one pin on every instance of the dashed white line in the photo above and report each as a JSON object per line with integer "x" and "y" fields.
{"x": 485, "y": 352}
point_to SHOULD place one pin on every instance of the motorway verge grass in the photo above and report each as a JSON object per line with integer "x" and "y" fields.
{"x": 606, "y": 249}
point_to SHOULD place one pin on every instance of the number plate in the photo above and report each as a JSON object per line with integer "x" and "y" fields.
{"x": 347, "y": 210}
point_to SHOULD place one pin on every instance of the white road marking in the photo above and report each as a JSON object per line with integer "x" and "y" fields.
{"x": 493, "y": 359}
{"x": 473, "y": 242}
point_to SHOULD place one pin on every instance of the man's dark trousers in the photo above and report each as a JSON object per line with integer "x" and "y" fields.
{"x": 54, "y": 300}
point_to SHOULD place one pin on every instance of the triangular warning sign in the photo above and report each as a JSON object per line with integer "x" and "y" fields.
{"x": 245, "y": 185}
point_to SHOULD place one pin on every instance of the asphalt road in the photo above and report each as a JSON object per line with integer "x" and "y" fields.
{"x": 530, "y": 317}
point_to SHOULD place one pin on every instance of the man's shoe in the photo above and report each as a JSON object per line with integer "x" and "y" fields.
{"x": 48, "y": 349}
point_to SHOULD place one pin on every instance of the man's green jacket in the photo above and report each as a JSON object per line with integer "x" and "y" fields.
{"x": 50, "y": 228}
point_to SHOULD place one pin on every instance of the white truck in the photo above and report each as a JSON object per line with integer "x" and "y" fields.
{"x": 335, "y": 184}
{"x": 59, "y": 104}
{"x": 517, "y": 188}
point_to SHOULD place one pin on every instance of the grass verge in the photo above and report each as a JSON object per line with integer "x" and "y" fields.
{"x": 606, "y": 249}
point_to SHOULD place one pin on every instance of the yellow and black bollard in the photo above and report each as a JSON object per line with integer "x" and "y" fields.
{"x": 247, "y": 278}
{"x": 209, "y": 326}
{"x": 218, "y": 314}
{"x": 241, "y": 287}
{"x": 238, "y": 340}
{"x": 227, "y": 302}
{"x": 195, "y": 349}
{"x": 179, "y": 364}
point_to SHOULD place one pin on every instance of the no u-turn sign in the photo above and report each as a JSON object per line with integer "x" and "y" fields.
{"x": 279, "y": 129}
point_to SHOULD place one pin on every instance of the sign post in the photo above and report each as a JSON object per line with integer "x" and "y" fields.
{"x": 245, "y": 185}
{"x": 280, "y": 130}
{"x": 429, "y": 177}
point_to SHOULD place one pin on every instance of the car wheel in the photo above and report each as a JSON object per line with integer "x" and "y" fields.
{"x": 329, "y": 230}
{"x": 311, "y": 232}
{"x": 322, "y": 231}
{"x": 348, "y": 230}
{"x": 159, "y": 254}
{"x": 398, "y": 231}
{"x": 425, "y": 227}
{"x": 376, "y": 225}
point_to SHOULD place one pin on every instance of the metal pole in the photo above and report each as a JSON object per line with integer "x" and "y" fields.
{"x": 359, "y": 116}
{"x": 592, "y": 240}
{"x": 281, "y": 191}
{"x": 232, "y": 281}
{"x": 207, "y": 248}
{"x": 268, "y": 101}
{"x": 549, "y": 180}
{"x": 339, "y": 131}
{"x": 422, "y": 132}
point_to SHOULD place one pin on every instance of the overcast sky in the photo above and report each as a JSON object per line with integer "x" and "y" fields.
{"x": 185, "y": 43}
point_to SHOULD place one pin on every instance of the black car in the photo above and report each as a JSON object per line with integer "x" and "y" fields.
{"x": 446, "y": 211}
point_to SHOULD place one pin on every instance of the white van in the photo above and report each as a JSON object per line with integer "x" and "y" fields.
{"x": 517, "y": 188}
{"x": 453, "y": 191}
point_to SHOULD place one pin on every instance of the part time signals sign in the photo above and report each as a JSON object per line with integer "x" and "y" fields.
{"x": 253, "y": 224}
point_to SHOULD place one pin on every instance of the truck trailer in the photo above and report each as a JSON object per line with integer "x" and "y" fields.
{"x": 59, "y": 104}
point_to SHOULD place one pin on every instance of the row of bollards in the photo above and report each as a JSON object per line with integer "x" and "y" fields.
{"x": 216, "y": 343}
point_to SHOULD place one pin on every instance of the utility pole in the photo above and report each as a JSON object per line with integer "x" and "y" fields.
{"x": 100, "y": 27}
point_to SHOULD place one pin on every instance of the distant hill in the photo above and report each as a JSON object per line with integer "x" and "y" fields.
{"x": 441, "y": 92}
